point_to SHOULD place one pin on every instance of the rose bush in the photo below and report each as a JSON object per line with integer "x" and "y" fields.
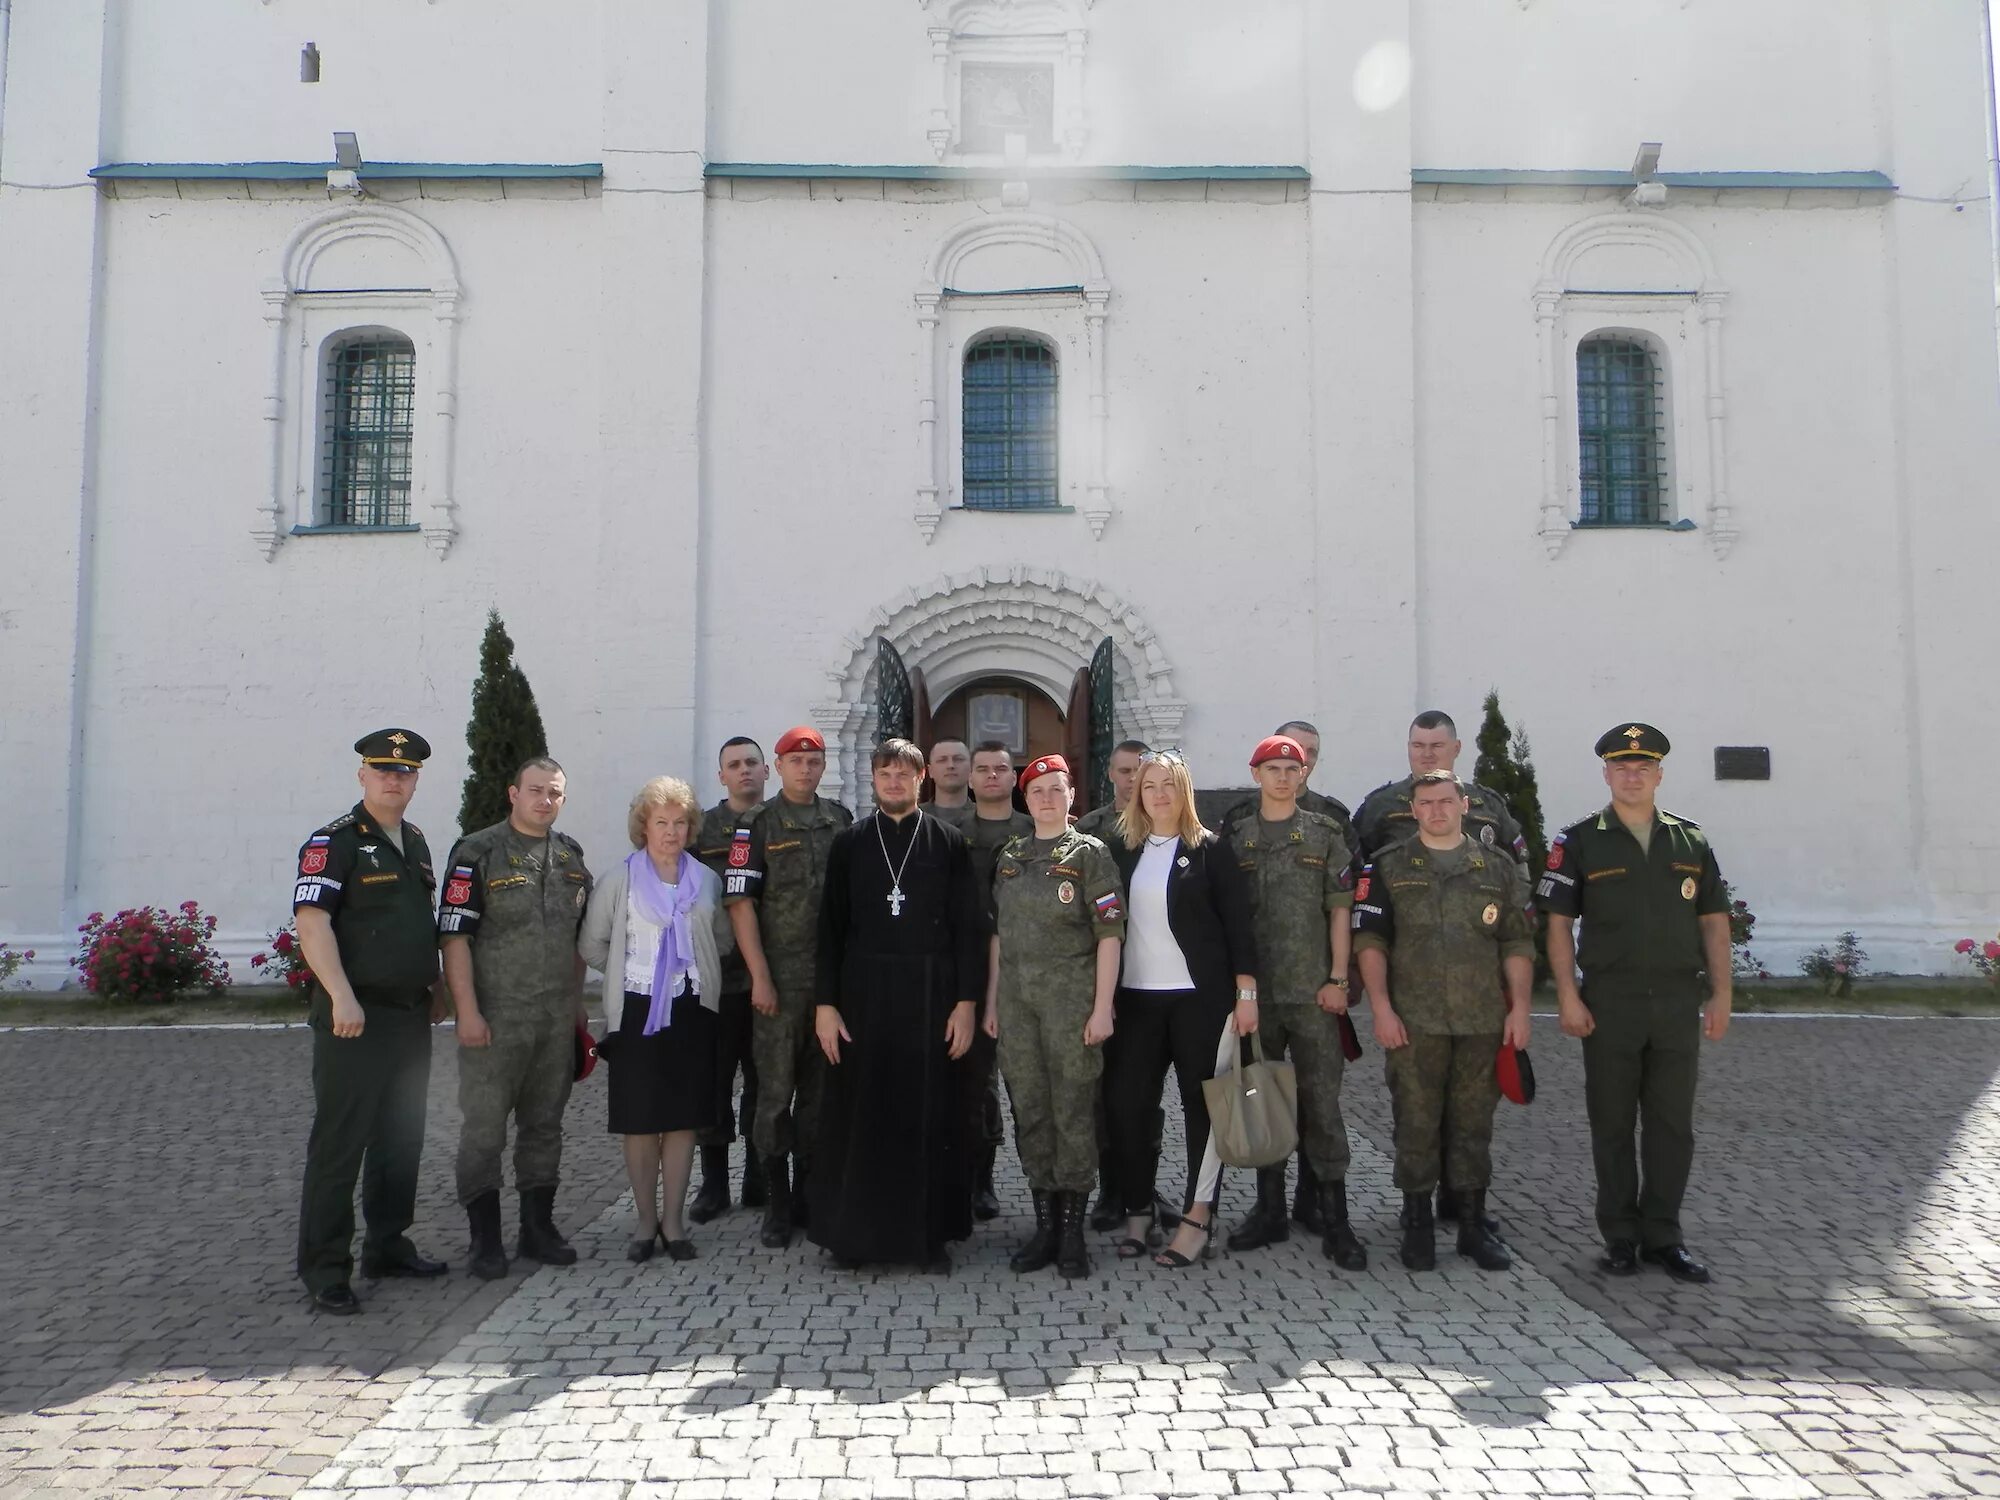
{"x": 150, "y": 955}
{"x": 285, "y": 960}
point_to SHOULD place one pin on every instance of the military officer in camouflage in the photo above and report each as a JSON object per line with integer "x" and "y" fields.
{"x": 1655, "y": 925}
{"x": 513, "y": 902}
{"x": 741, "y": 769}
{"x": 1441, "y": 918}
{"x": 1060, "y": 926}
{"x": 1306, "y": 1197}
{"x": 362, "y": 901}
{"x": 772, "y": 881}
{"x": 1101, "y": 823}
{"x": 1300, "y": 879}
{"x": 1384, "y": 818}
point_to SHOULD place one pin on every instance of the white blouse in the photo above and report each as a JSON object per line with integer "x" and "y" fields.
{"x": 1153, "y": 959}
{"x": 642, "y": 951}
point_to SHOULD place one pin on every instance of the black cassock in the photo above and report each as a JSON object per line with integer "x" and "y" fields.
{"x": 890, "y": 1179}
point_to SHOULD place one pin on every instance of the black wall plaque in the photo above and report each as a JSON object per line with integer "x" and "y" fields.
{"x": 1742, "y": 762}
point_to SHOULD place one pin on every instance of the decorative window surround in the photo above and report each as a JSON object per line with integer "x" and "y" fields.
{"x": 306, "y": 306}
{"x": 1050, "y": 33}
{"x": 1033, "y": 623}
{"x": 1070, "y": 314}
{"x": 1642, "y": 274}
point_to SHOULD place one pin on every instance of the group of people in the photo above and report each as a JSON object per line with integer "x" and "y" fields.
{"x": 875, "y": 981}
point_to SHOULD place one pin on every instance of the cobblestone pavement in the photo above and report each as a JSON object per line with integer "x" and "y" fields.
{"x": 1848, "y": 1194}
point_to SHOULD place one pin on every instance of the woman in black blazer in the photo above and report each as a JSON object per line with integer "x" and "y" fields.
{"x": 1187, "y": 992}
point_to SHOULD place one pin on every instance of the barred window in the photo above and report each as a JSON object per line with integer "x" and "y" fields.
{"x": 1622, "y": 433}
{"x": 1010, "y": 424}
{"x": 365, "y": 440}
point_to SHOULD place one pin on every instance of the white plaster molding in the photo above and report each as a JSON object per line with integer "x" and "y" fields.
{"x": 297, "y": 305}
{"x": 938, "y": 373}
{"x": 1034, "y": 623}
{"x": 1054, "y": 33}
{"x": 1690, "y": 303}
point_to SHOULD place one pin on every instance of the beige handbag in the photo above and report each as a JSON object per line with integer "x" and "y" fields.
{"x": 1253, "y": 1109}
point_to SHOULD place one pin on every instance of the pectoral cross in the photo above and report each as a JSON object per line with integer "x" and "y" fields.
{"x": 895, "y": 899}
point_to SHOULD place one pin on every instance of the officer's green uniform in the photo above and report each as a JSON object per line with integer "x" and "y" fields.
{"x": 1299, "y": 872}
{"x": 520, "y": 900}
{"x": 1641, "y": 954}
{"x": 777, "y": 859}
{"x": 1384, "y": 818}
{"x": 732, "y": 1041}
{"x": 1446, "y": 919}
{"x": 368, "y": 1091}
{"x": 1055, "y": 900}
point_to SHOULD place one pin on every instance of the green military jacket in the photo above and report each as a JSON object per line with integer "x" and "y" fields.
{"x": 1446, "y": 920}
{"x": 718, "y": 827}
{"x": 959, "y": 817}
{"x": 1101, "y": 823}
{"x": 1641, "y": 910}
{"x": 984, "y": 839}
{"x": 379, "y": 899}
{"x": 520, "y": 900}
{"x": 1054, "y": 901}
{"x": 1298, "y": 872}
{"x": 777, "y": 860}
{"x": 1309, "y": 801}
{"x": 1385, "y": 818}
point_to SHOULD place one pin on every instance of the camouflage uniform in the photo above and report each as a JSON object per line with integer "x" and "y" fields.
{"x": 1101, "y": 823}
{"x": 777, "y": 859}
{"x": 520, "y": 901}
{"x": 979, "y": 1086}
{"x": 1309, "y": 801}
{"x": 1299, "y": 873}
{"x": 718, "y": 827}
{"x": 1055, "y": 901}
{"x": 1384, "y": 818}
{"x": 1446, "y": 920}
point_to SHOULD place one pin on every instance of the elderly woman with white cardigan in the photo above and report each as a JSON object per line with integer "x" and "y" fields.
{"x": 656, "y": 930}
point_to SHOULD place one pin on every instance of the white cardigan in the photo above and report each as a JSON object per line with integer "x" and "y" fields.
{"x": 602, "y": 940}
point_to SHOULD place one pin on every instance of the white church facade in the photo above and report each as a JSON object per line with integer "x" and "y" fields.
{"x": 1196, "y": 365}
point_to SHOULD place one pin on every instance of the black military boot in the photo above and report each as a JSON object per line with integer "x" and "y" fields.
{"x": 984, "y": 1205}
{"x": 1447, "y": 1210}
{"x": 1040, "y": 1249}
{"x": 1107, "y": 1215}
{"x": 540, "y": 1239}
{"x": 711, "y": 1201}
{"x": 485, "y": 1257}
{"x": 754, "y": 1194}
{"x": 1338, "y": 1243}
{"x": 1072, "y": 1257}
{"x": 1265, "y": 1224}
{"x": 1419, "y": 1233}
{"x": 1475, "y": 1239}
{"x": 1305, "y": 1201}
{"x": 776, "y": 1232}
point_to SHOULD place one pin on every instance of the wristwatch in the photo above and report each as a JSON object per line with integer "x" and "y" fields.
{"x": 1246, "y": 994}
{"x": 1338, "y": 981}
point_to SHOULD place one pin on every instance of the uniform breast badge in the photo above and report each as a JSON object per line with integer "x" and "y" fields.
{"x": 1066, "y": 893}
{"x": 1491, "y": 914}
{"x": 1687, "y": 889}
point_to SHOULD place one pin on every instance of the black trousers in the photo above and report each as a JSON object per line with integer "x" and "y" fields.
{"x": 1639, "y": 1071}
{"x": 1156, "y": 1028}
{"x": 732, "y": 1051}
{"x": 979, "y": 1121}
{"x": 369, "y": 1094}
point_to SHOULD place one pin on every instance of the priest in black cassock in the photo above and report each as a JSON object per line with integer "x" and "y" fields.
{"x": 902, "y": 963}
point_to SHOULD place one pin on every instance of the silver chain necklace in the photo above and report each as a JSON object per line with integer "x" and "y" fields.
{"x": 895, "y": 896}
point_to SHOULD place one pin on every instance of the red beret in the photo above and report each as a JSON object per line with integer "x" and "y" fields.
{"x": 1042, "y": 765}
{"x": 800, "y": 737}
{"x": 1516, "y": 1074}
{"x": 583, "y": 1054}
{"x": 1277, "y": 747}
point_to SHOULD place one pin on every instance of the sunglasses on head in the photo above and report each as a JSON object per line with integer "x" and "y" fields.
{"x": 1162, "y": 758}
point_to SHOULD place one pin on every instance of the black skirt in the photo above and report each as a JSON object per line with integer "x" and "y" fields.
{"x": 665, "y": 1081}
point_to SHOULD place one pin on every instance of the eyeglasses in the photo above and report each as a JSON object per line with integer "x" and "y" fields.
{"x": 1162, "y": 758}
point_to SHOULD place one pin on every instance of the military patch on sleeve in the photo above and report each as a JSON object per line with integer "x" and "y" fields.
{"x": 458, "y": 890}
{"x": 739, "y": 849}
{"x": 1109, "y": 908}
{"x": 312, "y": 861}
{"x": 1361, "y": 887}
{"x": 1556, "y": 853}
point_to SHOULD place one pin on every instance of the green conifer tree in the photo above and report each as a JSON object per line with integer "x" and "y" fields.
{"x": 505, "y": 729}
{"x": 1504, "y": 766}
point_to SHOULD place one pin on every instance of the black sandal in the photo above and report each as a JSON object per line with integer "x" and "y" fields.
{"x": 1171, "y": 1259}
{"x": 641, "y": 1249}
{"x": 680, "y": 1249}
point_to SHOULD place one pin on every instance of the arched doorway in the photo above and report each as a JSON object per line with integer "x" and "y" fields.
{"x": 1069, "y": 643}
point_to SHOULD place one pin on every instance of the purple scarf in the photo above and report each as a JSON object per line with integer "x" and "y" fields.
{"x": 666, "y": 907}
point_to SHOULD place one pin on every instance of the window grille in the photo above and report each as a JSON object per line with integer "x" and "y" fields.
{"x": 1622, "y": 430}
{"x": 1010, "y": 425}
{"x": 370, "y": 406}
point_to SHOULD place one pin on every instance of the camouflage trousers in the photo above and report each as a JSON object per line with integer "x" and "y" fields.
{"x": 1311, "y": 1039}
{"x": 1052, "y": 1084}
{"x": 1432, "y": 1077}
{"x": 791, "y": 1075}
{"x": 524, "y": 1071}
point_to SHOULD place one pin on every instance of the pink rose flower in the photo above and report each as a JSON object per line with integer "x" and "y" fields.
{"x": 1964, "y": 945}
